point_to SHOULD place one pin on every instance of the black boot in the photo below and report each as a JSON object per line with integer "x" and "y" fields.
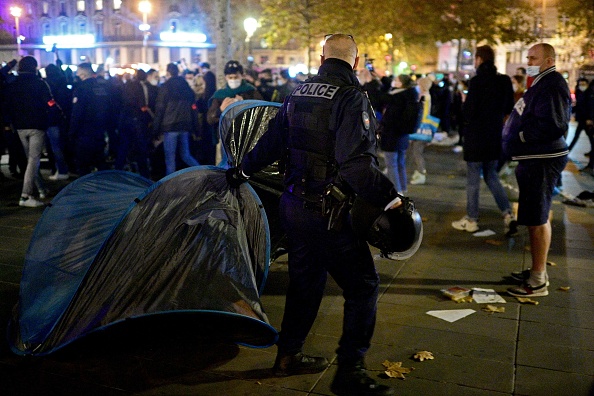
{"x": 297, "y": 364}
{"x": 351, "y": 380}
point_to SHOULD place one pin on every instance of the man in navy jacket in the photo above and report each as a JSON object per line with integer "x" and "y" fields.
{"x": 534, "y": 135}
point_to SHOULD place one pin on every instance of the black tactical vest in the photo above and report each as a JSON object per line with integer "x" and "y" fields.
{"x": 311, "y": 163}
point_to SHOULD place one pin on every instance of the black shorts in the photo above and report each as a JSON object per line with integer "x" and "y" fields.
{"x": 537, "y": 179}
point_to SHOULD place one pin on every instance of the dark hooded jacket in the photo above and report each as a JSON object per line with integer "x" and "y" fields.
{"x": 490, "y": 99}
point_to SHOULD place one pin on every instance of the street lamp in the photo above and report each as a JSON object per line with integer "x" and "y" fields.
{"x": 250, "y": 25}
{"x": 145, "y": 7}
{"x": 16, "y": 13}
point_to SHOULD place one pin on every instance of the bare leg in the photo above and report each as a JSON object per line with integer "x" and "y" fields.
{"x": 540, "y": 242}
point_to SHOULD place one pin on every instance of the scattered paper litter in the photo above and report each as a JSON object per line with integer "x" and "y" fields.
{"x": 458, "y": 294}
{"x": 451, "y": 315}
{"x": 486, "y": 296}
{"x": 564, "y": 288}
{"x": 484, "y": 233}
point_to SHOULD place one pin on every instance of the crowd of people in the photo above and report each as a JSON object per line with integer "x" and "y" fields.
{"x": 328, "y": 133}
{"x": 87, "y": 120}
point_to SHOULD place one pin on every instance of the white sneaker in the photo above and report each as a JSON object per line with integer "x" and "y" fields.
{"x": 465, "y": 224}
{"x": 418, "y": 178}
{"x": 59, "y": 176}
{"x": 30, "y": 202}
{"x": 458, "y": 149}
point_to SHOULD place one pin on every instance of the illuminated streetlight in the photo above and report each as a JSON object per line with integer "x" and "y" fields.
{"x": 250, "y": 25}
{"x": 145, "y": 7}
{"x": 16, "y": 13}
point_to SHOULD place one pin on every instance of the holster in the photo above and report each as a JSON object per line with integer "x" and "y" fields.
{"x": 336, "y": 204}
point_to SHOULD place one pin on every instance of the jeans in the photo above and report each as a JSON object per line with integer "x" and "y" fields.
{"x": 313, "y": 253}
{"x": 396, "y": 166}
{"x": 473, "y": 187}
{"x": 33, "y": 140}
{"x": 418, "y": 148}
{"x": 170, "y": 144}
{"x": 53, "y": 134}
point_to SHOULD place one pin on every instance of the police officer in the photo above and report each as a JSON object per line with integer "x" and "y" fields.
{"x": 92, "y": 116}
{"x": 326, "y": 128}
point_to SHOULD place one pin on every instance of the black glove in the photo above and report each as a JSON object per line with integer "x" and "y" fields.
{"x": 235, "y": 177}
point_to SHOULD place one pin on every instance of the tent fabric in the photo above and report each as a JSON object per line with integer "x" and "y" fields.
{"x": 181, "y": 247}
{"x": 242, "y": 124}
{"x": 64, "y": 243}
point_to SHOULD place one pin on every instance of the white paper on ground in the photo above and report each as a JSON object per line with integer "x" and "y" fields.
{"x": 484, "y": 233}
{"x": 486, "y": 296}
{"x": 451, "y": 315}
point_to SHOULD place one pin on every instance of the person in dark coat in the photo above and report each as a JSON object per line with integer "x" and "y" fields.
{"x": 27, "y": 104}
{"x": 581, "y": 110}
{"x": 400, "y": 119}
{"x": 175, "y": 118}
{"x": 208, "y": 139}
{"x": 490, "y": 99}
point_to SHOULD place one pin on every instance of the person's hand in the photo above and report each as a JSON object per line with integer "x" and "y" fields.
{"x": 229, "y": 101}
{"x": 589, "y": 122}
{"x": 235, "y": 177}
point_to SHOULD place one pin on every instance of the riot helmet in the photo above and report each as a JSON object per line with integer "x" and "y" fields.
{"x": 397, "y": 233}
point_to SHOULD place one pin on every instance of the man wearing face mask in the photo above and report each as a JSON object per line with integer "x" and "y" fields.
{"x": 326, "y": 132}
{"x": 235, "y": 90}
{"x": 534, "y": 136}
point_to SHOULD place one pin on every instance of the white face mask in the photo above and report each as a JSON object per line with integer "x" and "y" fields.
{"x": 532, "y": 71}
{"x": 154, "y": 82}
{"x": 234, "y": 84}
{"x": 583, "y": 88}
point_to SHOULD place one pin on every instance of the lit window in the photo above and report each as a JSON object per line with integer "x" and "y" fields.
{"x": 82, "y": 28}
{"x": 117, "y": 4}
{"x": 46, "y": 29}
{"x": 80, "y": 6}
{"x": 99, "y": 5}
{"x": 64, "y": 28}
{"x": 173, "y": 26}
{"x": 29, "y": 8}
{"x": 45, "y": 6}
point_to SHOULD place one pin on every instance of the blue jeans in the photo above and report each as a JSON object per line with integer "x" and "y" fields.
{"x": 396, "y": 166}
{"x": 473, "y": 187}
{"x": 170, "y": 144}
{"x": 315, "y": 252}
{"x": 55, "y": 140}
{"x": 33, "y": 141}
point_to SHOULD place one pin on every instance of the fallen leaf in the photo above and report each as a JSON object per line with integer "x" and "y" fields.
{"x": 552, "y": 264}
{"x": 492, "y": 309}
{"x": 395, "y": 369}
{"x": 526, "y": 300}
{"x": 493, "y": 242}
{"x": 423, "y": 355}
{"x": 564, "y": 288}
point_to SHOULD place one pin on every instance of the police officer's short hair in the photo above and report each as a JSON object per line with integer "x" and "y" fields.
{"x": 27, "y": 64}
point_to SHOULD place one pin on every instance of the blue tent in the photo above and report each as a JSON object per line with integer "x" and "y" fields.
{"x": 113, "y": 247}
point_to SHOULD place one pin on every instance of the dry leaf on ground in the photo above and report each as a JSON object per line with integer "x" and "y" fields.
{"x": 526, "y": 300}
{"x": 552, "y": 264}
{"x": 395, "y": 369}
{"x": 423, "y": 355}
{"x": 494, "y": 242}
{"x": 564, "y": 288}
{"x": 492, "y": 309}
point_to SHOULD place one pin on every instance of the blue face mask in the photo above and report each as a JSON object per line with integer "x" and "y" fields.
{"x": 532, "y": 71}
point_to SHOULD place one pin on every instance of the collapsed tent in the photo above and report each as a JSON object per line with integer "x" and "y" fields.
{"x": 111, "y": 248}
{"x": 241, "y": 125}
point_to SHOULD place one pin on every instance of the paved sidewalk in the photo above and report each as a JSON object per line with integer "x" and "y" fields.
{"x": 545, "y": 349}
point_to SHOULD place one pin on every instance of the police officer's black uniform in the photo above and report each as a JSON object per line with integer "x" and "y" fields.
{"x": 327, "y": 129}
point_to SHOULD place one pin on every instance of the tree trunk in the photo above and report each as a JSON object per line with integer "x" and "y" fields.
{"x": 222, "y": 38}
